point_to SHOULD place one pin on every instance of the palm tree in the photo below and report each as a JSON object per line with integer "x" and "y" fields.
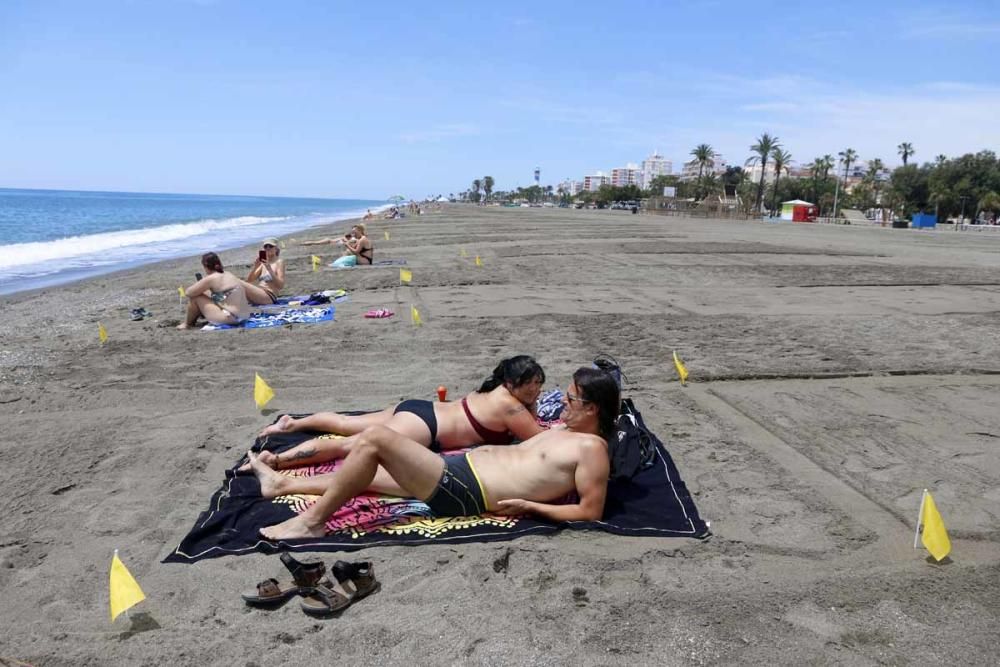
{"x": 477, "y": 185}
{"x": 874, "y": 168}
{"x": 704, "y": 154}
{"x": 905, "y": 151}
{"x": 488, "y": 186}
{"x": 940, "y": 159}
{"x": 847, "y": 156}
{"x": 782, "y": 159}
{"x": 765, "y": 144}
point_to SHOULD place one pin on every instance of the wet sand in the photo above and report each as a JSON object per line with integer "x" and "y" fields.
{"x": 836, "y": 372}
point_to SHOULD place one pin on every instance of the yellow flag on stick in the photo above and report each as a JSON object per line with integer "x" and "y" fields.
{"x": 462, "y": 252}
{"x": 102, "y": 333}
{"x": 931, "y": 530}
{"x": 415, "y": 316}
{"x": 682, "y": 372}
{"x": 181, "y": 292}
{"x": 405, "y": 275}
{"x": 479, "y": 262}
{"x": 387, "y": 236}
{"x": 315, "y": 262}
{"x": 125, "y": 591}
{"x": 262, "y": 392}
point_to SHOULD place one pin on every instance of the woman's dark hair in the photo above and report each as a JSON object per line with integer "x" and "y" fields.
{"x": 599, "y": 387}
{"x": 211, "y": 262}
{"x": 515, "y": 371}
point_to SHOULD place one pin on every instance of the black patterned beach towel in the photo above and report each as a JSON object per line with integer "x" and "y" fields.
{"x": 654, "y": 503}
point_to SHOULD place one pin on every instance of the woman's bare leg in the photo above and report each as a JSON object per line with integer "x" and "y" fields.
{"x": 329, "y": 422}
{"x": 257, "y": 296}
{"x": 193, "y": 312}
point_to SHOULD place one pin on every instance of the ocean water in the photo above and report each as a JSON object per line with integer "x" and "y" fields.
{"x": 55, "y": 236}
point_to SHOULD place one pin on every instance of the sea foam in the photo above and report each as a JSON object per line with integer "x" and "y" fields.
{"x": 36, "y": 252}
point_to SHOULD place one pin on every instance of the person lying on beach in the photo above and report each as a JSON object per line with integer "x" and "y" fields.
{"x": 267, "y": 277}
{"x": 502, "y": 409}
{"x": 512, "y": 480}
{"x": 219, "y": 297}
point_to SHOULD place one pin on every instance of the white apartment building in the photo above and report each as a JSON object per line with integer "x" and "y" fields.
{"x": 592, "y": 183}
{"x": 627, "y": 175}
{"x": 570, "y": 187}
{"x": 653, "y": 166}
{"x": 716, "y": 165}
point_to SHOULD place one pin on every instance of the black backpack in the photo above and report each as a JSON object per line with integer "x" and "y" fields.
{"x": 634, "y": 449}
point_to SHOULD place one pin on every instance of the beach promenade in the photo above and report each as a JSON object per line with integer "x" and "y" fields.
{"x": 836, "y": 372}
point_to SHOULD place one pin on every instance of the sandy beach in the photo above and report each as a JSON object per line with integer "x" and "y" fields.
{"x": 836, "y": 372}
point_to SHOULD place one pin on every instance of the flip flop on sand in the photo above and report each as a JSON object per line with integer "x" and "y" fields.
{"x": 271, "y": 593}
{"x": 354, "y": 581}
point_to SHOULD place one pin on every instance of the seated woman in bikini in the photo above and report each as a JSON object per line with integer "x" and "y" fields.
{"x": 219, "y": 297}
{"x": 501, "y": 410}
{"x": 267, "y": 277}
{"x": 358, "y": 248}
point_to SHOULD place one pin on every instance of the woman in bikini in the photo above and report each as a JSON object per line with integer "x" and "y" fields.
{"x": 500, "y": 411}
{"x": 358, "y": 248}
{"x": 219, "y": 297}
{"x": 267, "y": 277}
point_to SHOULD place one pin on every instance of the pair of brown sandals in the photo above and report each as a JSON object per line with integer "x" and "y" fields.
{"x": 321, "y": 596}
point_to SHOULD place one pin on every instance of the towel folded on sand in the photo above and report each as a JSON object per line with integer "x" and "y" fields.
{"x": 280, "y": 318}
{"x": 654, "y": 503}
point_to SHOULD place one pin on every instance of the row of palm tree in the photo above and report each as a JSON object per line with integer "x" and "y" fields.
{"x": 768, "y": 147}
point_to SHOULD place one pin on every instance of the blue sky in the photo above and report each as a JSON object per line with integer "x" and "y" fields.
{"x": 368, "y": 99}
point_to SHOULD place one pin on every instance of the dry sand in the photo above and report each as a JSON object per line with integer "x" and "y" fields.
{"x": 837, "y": 371}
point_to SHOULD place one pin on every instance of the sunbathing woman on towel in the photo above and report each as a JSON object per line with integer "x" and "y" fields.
{"x": 219, "y": 297}
{"x": 502, "y": 409}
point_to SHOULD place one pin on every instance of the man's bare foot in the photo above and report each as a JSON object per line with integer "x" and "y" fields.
{"x": 270, "y": 459}
{"x": 295, "y": 528}
{"x": 283, "y": 425}
{"x": 183, "y": 325}
{"x": 272, "y": 484}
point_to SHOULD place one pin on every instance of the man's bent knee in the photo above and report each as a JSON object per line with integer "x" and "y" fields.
{"x": 373, "y": 437}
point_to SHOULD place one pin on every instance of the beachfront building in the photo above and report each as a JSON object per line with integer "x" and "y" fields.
{"x": 653, "y": 166}
{"x": 716, "y": 165}
{"x": 627, "y": 175}
{"x": 570, "y": 187}
{"x": 592, "y": 183}
{"x": 752, "y": 171}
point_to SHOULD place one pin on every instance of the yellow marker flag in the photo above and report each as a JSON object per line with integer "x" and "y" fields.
{"x": 125, "y": 591}
{"x": 405, "y": 275}
{"x": 387, "y": 236}
{"x": 682, "y": 372}
{"x": 282, "y": 245}
{"x": 262, "y": 392}
{"x": 415, "y": 316}
{"x": 462, "y": 253}
{"x": 181, "y": 292}
{"x": 479, "y": 262}
{"x": 315, "y": 261}
{"x": 102, "y": 333}
{"x": 931, "y": 528}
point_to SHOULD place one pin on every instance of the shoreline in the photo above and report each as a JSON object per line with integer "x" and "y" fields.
{"x": 141, "y": 265}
